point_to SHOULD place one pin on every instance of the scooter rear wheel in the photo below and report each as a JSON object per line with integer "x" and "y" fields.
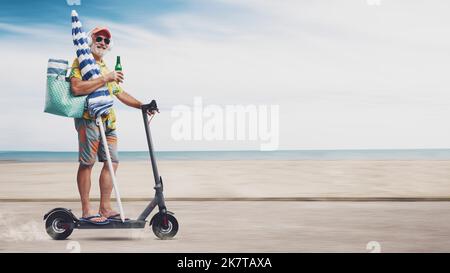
{"x": 162, "y": 231}
{"x": 59, "y": 225}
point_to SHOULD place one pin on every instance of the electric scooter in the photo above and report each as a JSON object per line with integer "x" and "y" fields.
{"x": 60, "y": 222}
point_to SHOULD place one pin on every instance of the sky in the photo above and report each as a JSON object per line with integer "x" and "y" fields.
{"x": 349, "y": 74}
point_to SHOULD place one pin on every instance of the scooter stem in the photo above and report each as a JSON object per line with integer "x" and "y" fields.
{"x": 110, "y": 167}
{"x": 149, "y": 107}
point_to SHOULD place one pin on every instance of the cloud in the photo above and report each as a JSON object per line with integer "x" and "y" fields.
{"x": 345, "y": 74}
{"x": 37, "y": 33}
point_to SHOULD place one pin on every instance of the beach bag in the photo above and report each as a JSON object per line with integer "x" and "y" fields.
{"x": 59, "y": 99}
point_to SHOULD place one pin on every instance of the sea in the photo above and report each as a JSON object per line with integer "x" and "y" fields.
{"x": 387, "y": 154}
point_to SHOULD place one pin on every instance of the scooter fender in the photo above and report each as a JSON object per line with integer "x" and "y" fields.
{"x": 151, "y": 220}
{"x": 68, "y": 211}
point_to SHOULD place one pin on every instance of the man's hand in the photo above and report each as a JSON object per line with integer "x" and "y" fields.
{"x": 114, "y": 76}
{"x": 153, "y": 112}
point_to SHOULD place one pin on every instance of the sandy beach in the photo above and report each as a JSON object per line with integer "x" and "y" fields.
{"x": 238, "y": 179}
{"x": 28, "y": 190}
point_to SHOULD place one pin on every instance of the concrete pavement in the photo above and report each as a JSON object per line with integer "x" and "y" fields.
{"x": 257, "y": 226}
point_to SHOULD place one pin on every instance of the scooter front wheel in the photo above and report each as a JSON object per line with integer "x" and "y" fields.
{"x": 165, "y": 226}
{"x": 59, "y": 225}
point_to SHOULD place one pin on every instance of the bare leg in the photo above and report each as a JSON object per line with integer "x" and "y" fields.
{"x": 106, "y": 187}
{"x": 84, "y": 187}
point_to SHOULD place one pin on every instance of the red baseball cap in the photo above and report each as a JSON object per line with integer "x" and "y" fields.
{"x": 101, "y": 30}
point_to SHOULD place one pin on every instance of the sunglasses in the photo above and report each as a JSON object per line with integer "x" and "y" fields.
{"x": 98, "y": 39}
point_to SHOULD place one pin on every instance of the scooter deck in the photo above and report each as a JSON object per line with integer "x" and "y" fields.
{"x": 111, "y": 225}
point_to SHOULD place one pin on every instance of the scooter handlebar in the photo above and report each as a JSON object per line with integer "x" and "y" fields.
{"x": 150, "y": 107}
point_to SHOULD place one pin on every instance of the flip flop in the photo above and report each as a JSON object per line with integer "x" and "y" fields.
{"x": 89, "y": 220}
{"x": 116, "y": 217}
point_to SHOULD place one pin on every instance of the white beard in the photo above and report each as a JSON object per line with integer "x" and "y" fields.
{"x": 98, "y": 51}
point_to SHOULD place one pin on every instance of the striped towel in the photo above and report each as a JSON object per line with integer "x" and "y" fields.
{"x": 98, "y": 102}
{"x": 57, "y": 67}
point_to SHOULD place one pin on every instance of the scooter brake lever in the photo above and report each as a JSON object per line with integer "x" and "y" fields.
{"x": 153, "y": 107}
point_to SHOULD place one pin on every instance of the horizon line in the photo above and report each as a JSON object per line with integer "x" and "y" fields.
{"x": 280, "y": 150}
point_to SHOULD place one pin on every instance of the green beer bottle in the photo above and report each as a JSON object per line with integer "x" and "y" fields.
{"x": 118, "y": 65}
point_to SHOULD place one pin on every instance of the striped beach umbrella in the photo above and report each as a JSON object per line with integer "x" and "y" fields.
{"x": 98, "y": 102}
